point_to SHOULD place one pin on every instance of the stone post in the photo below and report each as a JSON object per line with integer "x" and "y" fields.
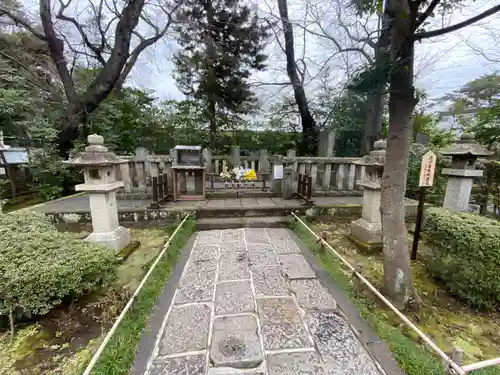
{"x": 464, "y": 154}
{"x": 234, "y": 157}
{"x": 207, "y": 157}
{"x": 366, "y": 232}
{"x": 125, "y": 172}
{"x": 101, "y": 185}
{"x": 276, "y": 182}
{"x": 287, "y": 183}
{"x": 263, "y": 162}
{"x": 326, "y": 143}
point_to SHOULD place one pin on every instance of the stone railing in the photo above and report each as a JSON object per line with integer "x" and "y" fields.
{"x": 329, "y": 174}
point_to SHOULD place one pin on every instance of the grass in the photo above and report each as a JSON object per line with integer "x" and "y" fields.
{"x": 63, "y": 342}
{"x": 413, "y": 357}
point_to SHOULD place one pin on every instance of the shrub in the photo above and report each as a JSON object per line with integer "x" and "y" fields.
{"x": 465, "y": 254}
{"x": 41, "y": 267}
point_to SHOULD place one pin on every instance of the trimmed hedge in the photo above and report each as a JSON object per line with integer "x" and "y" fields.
{"x": 41, "y": 267}
{"x": 465, "y": 255}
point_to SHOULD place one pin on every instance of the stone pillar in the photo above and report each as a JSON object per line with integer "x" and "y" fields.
{"x": 464, "y": 153}
{"x": 125, "y": 172}
{"x": 101, "y": 185}
{"x": 326, "y": 143}
{"x": 366, "y": 232}
{"x": 263, "y": 162}
{"x": 276, "y": 182}
{"x": 140, "y": 175}
{"x": 287, "y": 183}
{"x": 235, "y": 156}
{"x": 207, "y": 157}
{"x": 182, "y": 181}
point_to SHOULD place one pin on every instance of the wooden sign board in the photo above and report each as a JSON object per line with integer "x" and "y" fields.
{"x": 427, "y": 169}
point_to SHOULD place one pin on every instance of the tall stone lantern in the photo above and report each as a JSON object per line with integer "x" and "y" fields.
{"x": 100, "y": 183}
{"x": 464, "y": 153}
{"x": 366, "y": 232}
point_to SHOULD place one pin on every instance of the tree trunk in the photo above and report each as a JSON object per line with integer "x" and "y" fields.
{"x": 213, "y": 123}
{"x": 309, "y": 141}
{"x": 397, "y": 270}
{"x": 211, "y": 54}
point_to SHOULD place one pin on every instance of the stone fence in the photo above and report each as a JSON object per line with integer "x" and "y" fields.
{"x": 335, "y": 175}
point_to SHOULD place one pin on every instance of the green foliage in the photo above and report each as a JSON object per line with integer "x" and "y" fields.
{"x": 465, "y": 255}
{"x": 221, "y": 43}
{"x": 41, "y": 267}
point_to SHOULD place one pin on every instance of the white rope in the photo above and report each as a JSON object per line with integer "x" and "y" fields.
{"x": 111, "y": 332}
{"x": 422, "y": 335}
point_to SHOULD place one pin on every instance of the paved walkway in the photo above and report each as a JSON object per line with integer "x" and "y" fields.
{"x": 80, "y": 203}
{"x": 248, "y": 302}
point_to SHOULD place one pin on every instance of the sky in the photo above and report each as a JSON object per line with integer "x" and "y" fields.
{"x": 442, "y": 65}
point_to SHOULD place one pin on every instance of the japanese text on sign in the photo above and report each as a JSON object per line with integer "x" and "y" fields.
{"x": 427, "y": 169}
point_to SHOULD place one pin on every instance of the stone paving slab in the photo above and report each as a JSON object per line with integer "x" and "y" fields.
{"x": 262, "y": 254}
{"x": 256, "y": 235}
{"x": 233, "y": 266}
{"x": 205, "y": 252}
{"x": 278, "y": 233}
{"x": 281, "y": 325}
{"x": 285, "y": 246}
{"x": 208, "y": 237}
{"x": 341, "y": 350}
{"x": 269, "y": 281}
{"x": 295, "y": 266}
{"x": 232, "y": 235}
{"x": 188, "y": 365}
{"x": 311, "y": 294}
{"x": 197, "y": 283}
{"x": 186, "y": 329}
{"x": 301, "y": 363}
{"x": 235, "y": 342}
{"x": 234, "y": 297}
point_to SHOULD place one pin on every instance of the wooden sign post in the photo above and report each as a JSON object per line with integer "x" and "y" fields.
{"x": 426, "y": 180}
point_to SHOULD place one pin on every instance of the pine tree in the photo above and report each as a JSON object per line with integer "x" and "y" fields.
{"x": 221, "y": 43}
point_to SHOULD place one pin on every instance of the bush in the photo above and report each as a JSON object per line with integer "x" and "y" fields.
{"x": 465, "y": 254}
{"x": 41, "y": 267}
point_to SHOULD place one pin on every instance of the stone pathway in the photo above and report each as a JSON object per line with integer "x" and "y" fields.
{"x": 248, "y": 302}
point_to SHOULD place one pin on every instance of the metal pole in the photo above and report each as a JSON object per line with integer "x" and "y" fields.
{"x": 418, "y": 225}
{"x": 422, "y": 335}
{"x": 482, "y": 364}
{"x": 111, "y": 332}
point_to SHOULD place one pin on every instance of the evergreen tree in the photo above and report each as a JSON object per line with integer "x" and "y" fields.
{"x": 221, "y": 43}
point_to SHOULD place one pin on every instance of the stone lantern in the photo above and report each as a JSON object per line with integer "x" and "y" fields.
{"x": 464, "y": 153}
{"x": 101, "y": 185}
{"x": 366, "y": 232}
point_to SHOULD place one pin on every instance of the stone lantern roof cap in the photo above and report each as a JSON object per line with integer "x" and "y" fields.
{"x": 376, "y": 158}
{"x": 95, "y": 154}
{"x": 466, "y": 145}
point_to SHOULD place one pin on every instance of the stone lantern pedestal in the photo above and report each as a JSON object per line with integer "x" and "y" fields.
{"x": 464, "y": 154}
{"x": 101, "y": 185}
{"x": 366, "y": 232}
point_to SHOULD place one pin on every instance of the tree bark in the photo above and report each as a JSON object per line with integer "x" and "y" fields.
{"x": 397, "y": 270}
{"x": 211, "y": 73}
{"x": 309, "y": 142}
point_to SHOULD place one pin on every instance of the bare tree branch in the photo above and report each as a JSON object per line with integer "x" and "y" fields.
{"x": 430, "y": 9}
{"x": 458, "y": 26}
{"x": 20, "y": 21}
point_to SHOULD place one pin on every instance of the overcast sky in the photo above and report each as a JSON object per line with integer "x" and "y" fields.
{"x": 442, "y": 64}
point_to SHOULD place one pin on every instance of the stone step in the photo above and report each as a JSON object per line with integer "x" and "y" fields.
{"x": 230, "y": 212}
{"x": 236, "y": 193}
{"x": 210, "y": 223}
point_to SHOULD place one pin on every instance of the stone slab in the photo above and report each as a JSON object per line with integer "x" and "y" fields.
{"x": 233, "y": 266}
{"x": 235, "y": 342}
{"x": 281, "y": 325}
{"x": 311, "y": 295}
{"x": 269, "y": 281}
{"x": 186, "y": 329}
{"x": 302, "y": 363}
{"x": 209, "y": 237}
{"x": 232, "y": 235}
{"x": 234, "y": 297}
{"x": 204, "y": 252}
{"x": 256, "y": 235}
{"x": 229, "y": 247}
{"x": 188, "y": 365}
{"x": 261, "y": 254}
{"x": 233, "y": 371}
{"x": 278, "y": 233}
{"x": 285, "y": 246}
{"x": 339, "y": 347}
{"x": 296, "y": 266}
{"x": 197, "y": 282}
